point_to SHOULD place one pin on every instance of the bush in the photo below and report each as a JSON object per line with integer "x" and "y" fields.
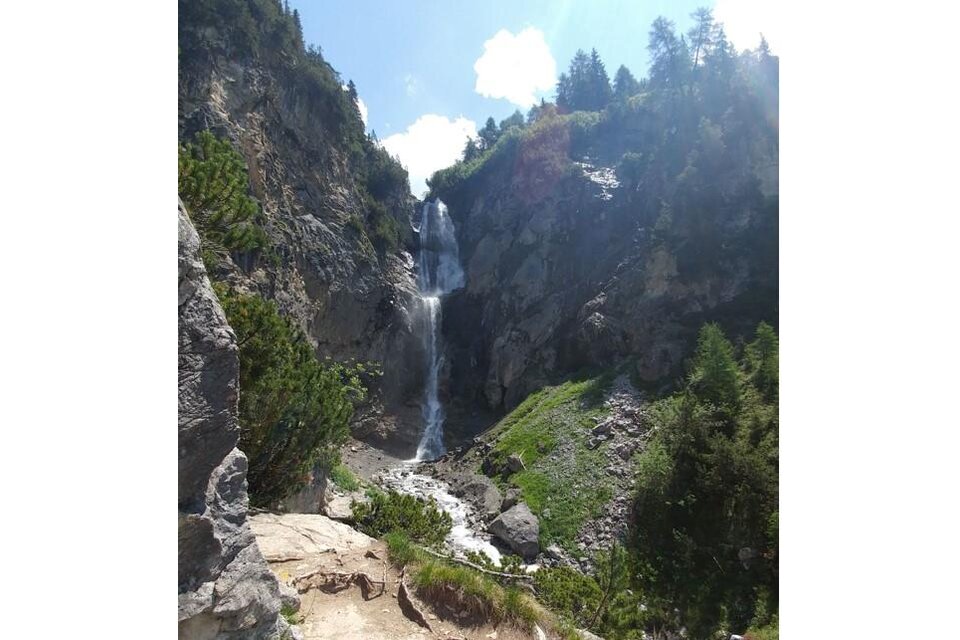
{"x": 344, "y": 478}
{"x": 293, "y": 408}
{"x": 213, "y": 184}
{"x": 393, "y": 512}
{"x": 569, "y": 593}
{"x": 401, "y": 550}
{"x": 767, "y": 632}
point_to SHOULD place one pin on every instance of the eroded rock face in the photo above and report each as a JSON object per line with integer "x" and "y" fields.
{"x": 351, "y": 301}
{"x": 576, "y": 276}
{"x": 225, "y": 588}
{"x": 519, "y": 528}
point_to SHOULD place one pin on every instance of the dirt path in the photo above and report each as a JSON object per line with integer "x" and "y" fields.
{"x": 300, "y": 545}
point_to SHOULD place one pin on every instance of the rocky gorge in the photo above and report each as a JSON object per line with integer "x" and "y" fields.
{"x": 522, "y": 328}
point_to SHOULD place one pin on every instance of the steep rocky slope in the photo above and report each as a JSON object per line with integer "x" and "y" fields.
{"x": 225, "y": 588}
{"x": 339, "y": 262}
{"x": 593, "y": 239}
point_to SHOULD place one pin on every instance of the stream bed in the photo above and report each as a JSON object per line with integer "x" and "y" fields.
{"x": 466, "y": 534}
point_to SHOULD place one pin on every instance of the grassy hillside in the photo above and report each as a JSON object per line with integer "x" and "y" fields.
{"x": 564, "y": 483}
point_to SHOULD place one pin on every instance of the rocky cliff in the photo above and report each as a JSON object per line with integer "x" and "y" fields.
{"x": 339, "y": 262}
{"x": 226, "y": 589}
{"x": 591, "y": 240}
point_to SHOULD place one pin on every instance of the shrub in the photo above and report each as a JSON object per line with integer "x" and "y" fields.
{"x": 293, "y": 408}
{"x": 344, "y": 478}
{"x": 767, "y": 632}
{"x": 391, "y": 512}
{"x": 568, "y": 592}
{"x": 401, "y": 550}
{"x": 213, "y": 184}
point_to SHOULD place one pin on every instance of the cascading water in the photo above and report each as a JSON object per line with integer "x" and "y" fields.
{"x": 440, "y": 273}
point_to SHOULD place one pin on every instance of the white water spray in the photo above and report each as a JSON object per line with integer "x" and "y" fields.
{"x": 440, "y": 273}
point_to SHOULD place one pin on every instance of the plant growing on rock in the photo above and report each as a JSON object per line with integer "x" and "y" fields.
{"x": 392, "y": 512}
{"x": 294, "y": 409}
{"x": 213, "y": 183}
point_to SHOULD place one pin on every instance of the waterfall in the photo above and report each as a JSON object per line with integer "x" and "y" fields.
{"x": 440, "y": 273}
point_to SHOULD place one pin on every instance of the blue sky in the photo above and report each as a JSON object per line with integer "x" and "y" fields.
{"x": 416, "y": 68}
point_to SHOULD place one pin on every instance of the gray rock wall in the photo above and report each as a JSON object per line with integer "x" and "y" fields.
{"x": 226, "y": 589}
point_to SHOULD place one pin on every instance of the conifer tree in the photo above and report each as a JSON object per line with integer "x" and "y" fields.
{"x": 471, "y": 150}
{"x": 213, "y": 184}
{"x": 764, "y": 359}
{"x": 669, "y": 56}
{"x": 624, "y": 84}
{"x": 598, "y": 87}
{"x": 489, "y": 134}
{"x": 714, "y": 377}
{"x": 701, "y": 34}
{"x": 514, "y": 120}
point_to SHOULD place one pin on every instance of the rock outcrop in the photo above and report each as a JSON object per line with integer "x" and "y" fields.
{"x": 226, "y": 589}
{"x": 520, "y": 529}
{"x": 352, "y": 299}
{"x": 568, "y": 269}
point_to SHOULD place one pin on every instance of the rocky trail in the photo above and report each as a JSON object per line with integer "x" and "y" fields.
{"x": 344, "y": 588}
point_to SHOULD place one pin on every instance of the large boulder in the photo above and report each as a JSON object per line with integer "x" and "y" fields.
{"x": 520, "y": 529}
{"x": 511, "y": 498}
{"x": 226, "y": 589}
{"x": 479, "y": 491}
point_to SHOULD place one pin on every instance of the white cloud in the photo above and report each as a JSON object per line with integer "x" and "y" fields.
{"x": 744, "y": 20}
{"x": 432, "y": 142}
{"x": 515, "y": 67}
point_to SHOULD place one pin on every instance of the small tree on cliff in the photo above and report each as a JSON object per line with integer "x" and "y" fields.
{"x": 213, "y": 184}
{"x": 294, "y": 410}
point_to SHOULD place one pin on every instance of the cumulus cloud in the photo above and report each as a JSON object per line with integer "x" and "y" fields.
{"x": 744, "y": 20}
{"x": 515, "y": 67}
{"x": 432, "y": 142}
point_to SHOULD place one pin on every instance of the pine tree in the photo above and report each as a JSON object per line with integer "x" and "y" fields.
{"x": 489, "y": 134}
{"x": 586, "y": 85}
{"x": 599, "y": 84}
{"x": 471, "y": 150}
{"x": 701, "y": 33}
{"x": 714, "y": 377}
{"x": 213, "y": 184}
{"x": 624, "y": 84}
{"x": 764, "y": 359}
{"x": 669, "y": 56}
{"x": 564, "y": 91}
{"x": 514, "y": 120}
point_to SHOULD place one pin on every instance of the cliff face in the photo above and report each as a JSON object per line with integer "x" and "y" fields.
{"x": 352, "y": 298}
{"x": 226, "y": 589}
{"x": 573, "y": 261}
